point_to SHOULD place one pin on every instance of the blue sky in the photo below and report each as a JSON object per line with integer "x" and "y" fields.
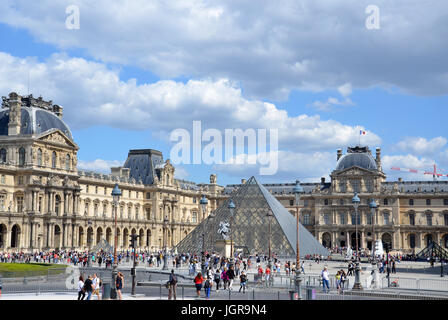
{"x": 134, "y": 72}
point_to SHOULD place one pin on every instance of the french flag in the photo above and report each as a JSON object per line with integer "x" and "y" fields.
{"x": 362, "y": 132}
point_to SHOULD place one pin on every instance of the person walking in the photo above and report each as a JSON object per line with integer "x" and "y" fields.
{"x": 172, "y": 285}
{"x": 231, "y": 276}
{"x": 198, "y": 280}
{"x": 81, "y": 290}
{"x": 268, "y": 277}
{"x": 208, "y": 287}
{"x": 343, "y": 279}
{"x": 96, "y": 286}
{"x": 120, "y": 284}
{"x": 243, "y": 282}
{"x": 325, "y": 280}
{"x": 225, "y": 278}
{"x": 217, "y": 278}
{"x": 338, "y": 281}
{"x": 88, "y": 287}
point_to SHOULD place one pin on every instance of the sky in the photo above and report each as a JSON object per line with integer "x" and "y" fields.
{"x": 130, "y": 73}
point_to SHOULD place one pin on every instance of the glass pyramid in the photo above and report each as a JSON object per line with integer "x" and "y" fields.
{"x": 250, "y": 226}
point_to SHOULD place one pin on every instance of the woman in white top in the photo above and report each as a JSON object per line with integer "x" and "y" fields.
{"x": 81, "y": 291}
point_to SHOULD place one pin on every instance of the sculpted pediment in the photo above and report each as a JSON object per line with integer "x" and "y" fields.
{"x": 353, "y": 171}
{"x": 57, "y": 137}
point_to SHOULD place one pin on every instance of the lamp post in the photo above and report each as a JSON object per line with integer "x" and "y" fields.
{"x": 231, "y": 207}
{"x": 165, "y": 223}
{"x": 203, "y": 202}
{"x": 116, "y": 193}
{"x": 357, "y": 285}
{"x": 269, "y": 215}
{"x": 297, "y": 190}
{"x": 373, "y": 207}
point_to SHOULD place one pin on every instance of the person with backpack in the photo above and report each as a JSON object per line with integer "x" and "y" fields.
{"x": 172, "y": 286}
{"x": 208, "y": 287}
{"x": 217, "y": 278}
{"x": 243, "y": 282}
{"x": 198, "y": 280}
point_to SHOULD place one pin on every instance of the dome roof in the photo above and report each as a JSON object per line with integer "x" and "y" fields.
{"x": 362, "y": 160}
{"x": 34, "y": 121}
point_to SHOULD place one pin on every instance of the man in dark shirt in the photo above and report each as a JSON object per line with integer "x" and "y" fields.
{"x": 231, "y": 275}
{"x": 88, "y": 286}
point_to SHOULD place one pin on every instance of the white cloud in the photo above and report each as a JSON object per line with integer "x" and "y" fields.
{"x": 92, "y": 94}
{"x": 269, "y": 48}
{"x": 330, "y": 103}
{"x": 99, "y": 165}
{"x": 422, "y": 146}
{"x": 180, "y": 173}
{"x": 345, "y": 90}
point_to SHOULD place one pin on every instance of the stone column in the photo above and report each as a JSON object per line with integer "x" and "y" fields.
{"x": 362, "y": 239}
{"x": 8, "y": 236}
{"x": 51, "y": 245}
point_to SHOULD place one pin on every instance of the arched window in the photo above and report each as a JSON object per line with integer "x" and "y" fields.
{"x": 53, "y": 160}
{"x": 194, "y": 217}
{"x": 67, "y": 162}
{"x": 57, "y": 204}
{"x": 39, "y": 157}
{"x": 21, "y": 156}
{"x": 3, "y": 155}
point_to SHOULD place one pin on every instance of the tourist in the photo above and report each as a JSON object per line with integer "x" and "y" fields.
{"x": 217, "y": 278}
{"x": 325, "y": 279}
{"x": 267, "y": 276}
{"x": 81, "y": 290}
{"x": 198, "y": 283}
{"x": 96, "y": 286}
{"x": 88, "y": 287}
{"x": 119, "y": 284}
{"x": 338, "y": 281}
{"x": 172, "y": 285}
{"x": 231, "y": 276}
{"x": 208, "y": 287}
{"x": 243, "y": 281}
{"x": 225, "y": 278}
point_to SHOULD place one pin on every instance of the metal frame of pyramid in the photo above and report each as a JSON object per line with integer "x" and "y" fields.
{"x": 250, "y": 226}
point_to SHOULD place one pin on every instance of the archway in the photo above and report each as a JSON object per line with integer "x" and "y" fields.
{"x": 57, "y": 237}
{"x": 15, "y": 236}
{"x": 3, "y": 233}
{"x": 99, "y": 234}
{"x": 326, "y": 240}
{"x": 355, "y": 237}
{"x": 387, "y": 239}
{"x": 108, "y": 235}
{"x": 445, "y": 241}
{"x": 118, "y": 237}
{"x": 125, "y": 237}
{"x": 428, "y": 239}
{"x": 412, "y": 241}
{"x": 148, "y": 238}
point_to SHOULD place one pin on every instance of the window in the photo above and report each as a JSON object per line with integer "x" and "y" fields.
{"x": 428, "y": 202}
{"x": 355, "y": 185}
{"x": 20, "y": 180}
{"x": 2, "y": 155}
{"x": 369, "y": 185}
{"x": 57, "y": 204}
{"x": 53, "y": 160}
{"x": 3, "y": 179}
{"x": 445, "y": 219}
{"x": 67, "y": 162}
{"x": 194, "y": 217}
{"x": 96, "y": 189}
{"x": 358, "y": 218}
{"x": 19, "y": 203}
{"x": 326, "y": 218}
{"x": 148, "y": 213}
{"x": 369, "y": 218}
{"x": 341, "y": 202}
{"x": 342, "y": 218}
{"x": 306, "y": 219}
{"x": 342, "y": 186}
{"x": 411, "y": 202}
{"x": 429, "y": 219}
{"x": 291, "y": 203}
{"x": 305, "y": 203}
{"x": 386, "y": 202}
{"x": 39, "y": 205}
{"x": 105, "y": 190}
{"x": 445, "y": 202}
{"x": 386, "y": 217}
{"x": 194, "y": 199}
{"x": 121, "y": 211}
{"x": 21, "y": 156}
{"x": 412, "y": 219}
{"x": 104, "y": 209}
{"x": 2, "y": 202}
{"x": 148, "y": 195}
{"x": 87, "y": 188}
{"x": 326, "y": 202}
{"x": 412, "y": 241}
{"x": 95, "y": 209}
{"x": 39, "y": 157}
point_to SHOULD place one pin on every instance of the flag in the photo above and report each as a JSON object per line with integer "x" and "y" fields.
{"x": 361, "y": 132}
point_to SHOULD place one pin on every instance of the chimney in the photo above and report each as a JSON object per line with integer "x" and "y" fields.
{"x": 400, "y": 180}
{"x": 339, "y": 153}
{"x": 15, "y": 114}
{"x": 322, "y": 180}
{"x": 378, "y": 158}
{"x": 243, "y": 181}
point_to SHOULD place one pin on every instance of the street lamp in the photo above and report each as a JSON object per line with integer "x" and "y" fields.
{"x": 373, "y": 207}
{"x": 297, "y": 190}
{"x": 231, "y": 207}
{"x": 116, "y": 193}
{"x": 165, "y": 223}
{"x": 269, "y": 215}
{"x": 203, "y": 202}
{"x": 357, "y": 285}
